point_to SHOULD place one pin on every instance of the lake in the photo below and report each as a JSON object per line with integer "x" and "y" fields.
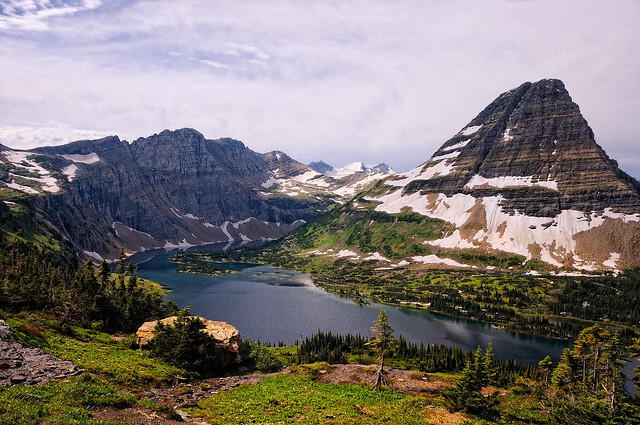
{"x": 273, "y": 305}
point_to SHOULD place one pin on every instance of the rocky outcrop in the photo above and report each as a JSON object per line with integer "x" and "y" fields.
{"x": 27, "y": 366}
{"x": 228, "y": 338}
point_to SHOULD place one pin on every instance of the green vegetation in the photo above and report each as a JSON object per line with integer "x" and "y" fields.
{"x": 197, "y": 262}
{"x": 61, "y": 402}
{"x": 298, "y": 399}
{"x": 395, "y": 236}
{"x": 258, "y": 357}
{"x": 102, "y": 354}
{"x": 326, "y": 347}
{"x": 33, "y": 278}
{"x": 466, "y": 394}
{"x": 382, "y": 341}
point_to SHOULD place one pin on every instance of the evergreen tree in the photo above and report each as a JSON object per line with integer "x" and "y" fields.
{"x": 544, "y": 366}
{"x": 382, "y": 341}
{"x": 466, "y": 394}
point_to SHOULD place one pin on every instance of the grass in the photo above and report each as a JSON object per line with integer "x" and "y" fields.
{"x": 68, "y": 401}
{"x": 298, "y": 399}
{"x": 96, "y": 352}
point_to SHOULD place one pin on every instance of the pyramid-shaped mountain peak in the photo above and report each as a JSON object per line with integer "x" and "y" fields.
{"x": 526, "y": 176}
{"x": 531, "y": 143}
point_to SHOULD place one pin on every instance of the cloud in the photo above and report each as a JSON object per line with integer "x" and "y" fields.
{"x": 50, "y": 134}
{"x": 33, "y": 14}
{"x": 339, "y": 81}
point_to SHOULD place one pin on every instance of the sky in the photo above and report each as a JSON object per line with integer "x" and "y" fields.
{"x": 339, "y": 81}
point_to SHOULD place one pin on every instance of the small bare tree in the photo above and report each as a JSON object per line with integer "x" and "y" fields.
{"x": 382, "y": 341}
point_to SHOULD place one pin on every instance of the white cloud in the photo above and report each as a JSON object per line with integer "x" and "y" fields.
{"x": 33, "y": 14}
{"x": 339, "y": 81}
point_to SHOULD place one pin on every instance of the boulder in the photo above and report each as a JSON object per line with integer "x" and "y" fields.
{"x": 227, "y": 336}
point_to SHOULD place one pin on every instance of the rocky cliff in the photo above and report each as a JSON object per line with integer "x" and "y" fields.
{"x": 171, "y": 189}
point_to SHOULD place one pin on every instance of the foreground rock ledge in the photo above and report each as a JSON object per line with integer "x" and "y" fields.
{"x": 20, "y": 365}
{"x": 227, "y": 336}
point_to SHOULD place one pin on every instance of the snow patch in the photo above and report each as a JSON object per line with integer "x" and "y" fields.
{"x": 238, "y": 223}
{"x": 509, "y": 181}
{"x": 131, "y": 229}
{"x": 306, "y": 177}
{"x": 506, "y": 135}
{"x": 456, "y": 146}
{"x": 168, "y": 246}
{"x": 612, "y": 262}
{"x": 515, "y": 232}
{"x": 20, "y": 159}
{"x": 376, "y": 256}
{"x": 272, "y": 181}
{"x": 47, "y": 183}
{"x": 346, "y": 253}
{"x": 226, "y": 231}
{"x": 93, "y": 255}
{"x": 21, "y": 188}
{"x": 70, "y": 171}
{"x": 454, "y": 209}
{"x": 442, "y": 168}
{"x": 434, "y": 259}
{"x": 470, "y": 130}
{"x": 90, "y": 158}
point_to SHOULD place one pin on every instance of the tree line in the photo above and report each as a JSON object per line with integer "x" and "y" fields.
{"x": 33, "y": 278}
{"x": 327, "y": 347}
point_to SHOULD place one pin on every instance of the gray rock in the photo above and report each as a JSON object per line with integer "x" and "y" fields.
{"x": 28, "y": 366}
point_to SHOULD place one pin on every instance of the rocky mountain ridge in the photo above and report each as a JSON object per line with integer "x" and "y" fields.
{"x": 172, "y": 189}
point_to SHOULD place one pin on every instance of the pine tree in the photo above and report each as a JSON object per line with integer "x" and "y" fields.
{"x": 382, "y": 341}
{"x": 544, "y": 366}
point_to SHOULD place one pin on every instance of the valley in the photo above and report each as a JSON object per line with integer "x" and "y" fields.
{"x": 519, "y": 235}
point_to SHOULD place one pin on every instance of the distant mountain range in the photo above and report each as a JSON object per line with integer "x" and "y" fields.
{"x": 349, "y": 169}
{"x": 525, "y": 179}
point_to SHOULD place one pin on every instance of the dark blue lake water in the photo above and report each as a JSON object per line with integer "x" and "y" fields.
{"x": 275, "y": 305}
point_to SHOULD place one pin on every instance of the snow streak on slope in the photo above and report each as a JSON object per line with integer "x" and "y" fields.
{"x": 509, "y": 181}
{"x": 20, "y": 159}
{"x": 550, "y": 239}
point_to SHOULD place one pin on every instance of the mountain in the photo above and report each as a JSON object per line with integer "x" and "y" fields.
{"x": 320, "y": 167}
{"x": 350, "y": 169}
{"x": 525, "y": 177}
{"x": 172, "y": 189}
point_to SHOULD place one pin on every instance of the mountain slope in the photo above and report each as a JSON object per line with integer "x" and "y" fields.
{"x": 524, "y": 177}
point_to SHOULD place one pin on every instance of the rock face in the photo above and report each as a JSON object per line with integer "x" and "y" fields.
{"x": 526, "y": 176}
{"x": 19, "y": 365}
{"x": 171, "y": 189}
{"x": 228, "y": 337}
